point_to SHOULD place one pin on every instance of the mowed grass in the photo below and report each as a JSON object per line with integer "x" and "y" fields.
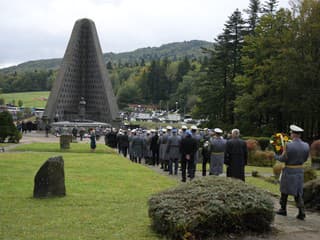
{"x": 30, "y": 99}
{"x": 55, "y": 147}
{"x": 106, "y": 197}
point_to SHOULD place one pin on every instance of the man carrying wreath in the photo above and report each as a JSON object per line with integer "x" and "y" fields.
{"x": 291, "y": 183}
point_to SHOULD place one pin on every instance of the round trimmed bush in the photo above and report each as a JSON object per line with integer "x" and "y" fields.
{"x": 309, "y": 174}
{"x": 210, "y": 206}
{"x": 311, "y": 194}
{"x": 260, "y": 158}
{"x": 315, "y": 154}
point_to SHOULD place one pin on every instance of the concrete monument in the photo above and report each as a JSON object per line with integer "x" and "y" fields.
{"x": 82, "y": 90}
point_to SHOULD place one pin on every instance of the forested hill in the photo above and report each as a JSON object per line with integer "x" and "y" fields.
{"x": 173, "y": 51}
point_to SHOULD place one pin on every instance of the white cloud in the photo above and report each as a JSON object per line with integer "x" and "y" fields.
{"x": 36, "y": 29}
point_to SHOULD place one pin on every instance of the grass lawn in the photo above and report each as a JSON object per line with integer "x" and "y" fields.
{"x": 55, "y": 147}
{"x": 106, "y": 197}
{"x": 30, "y": 99}
{"x": 262, "y": 184}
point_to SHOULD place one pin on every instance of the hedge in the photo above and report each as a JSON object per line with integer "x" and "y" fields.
{"x": 263, "y": 142}
{"x": 210, "y": 206}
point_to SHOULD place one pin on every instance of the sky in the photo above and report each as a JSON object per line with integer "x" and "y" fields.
{"x": 40, "y": 29}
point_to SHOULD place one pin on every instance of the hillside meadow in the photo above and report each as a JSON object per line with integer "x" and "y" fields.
{"x": 29, "y": 99}
{"x": 106, "y": 196}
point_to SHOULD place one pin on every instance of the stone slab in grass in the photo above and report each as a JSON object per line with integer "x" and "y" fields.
{"x": 210, "y": 206}
{"x": 49, "y": 180}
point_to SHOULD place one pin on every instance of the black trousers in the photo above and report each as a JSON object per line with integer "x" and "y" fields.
{"x": 298, "y": 199}
{"x": 155, "y": 157}
{"x": 187, "y": 164}
{"x": 205, "y": 160}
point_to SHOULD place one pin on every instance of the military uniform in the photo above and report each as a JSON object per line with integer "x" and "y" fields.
{"x": 137, "y": 148}
{"x": 217, "y": 149}
{"x": 292, "y": 177}
{"x": 173, "y": 153}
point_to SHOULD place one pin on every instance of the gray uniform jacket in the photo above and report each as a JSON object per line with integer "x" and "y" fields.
{"x": 217, "y": 148}
{"x": 291, "y": 181}
{"x": 137, "y": 146}
{"x": 173, "y": 147}
{"x": 163, "y": 140}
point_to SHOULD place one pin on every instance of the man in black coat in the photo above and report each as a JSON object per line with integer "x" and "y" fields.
{"x": 188, "y": 148}
{"x": 236, "y": 155}
{"x": 123, "y": 143}
{"x": 154, "y": 147}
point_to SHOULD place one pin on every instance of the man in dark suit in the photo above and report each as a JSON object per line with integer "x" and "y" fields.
{"x": 188, "y": 148}
{"x": 154, "y": 147}
{"x": 236, "y": 155}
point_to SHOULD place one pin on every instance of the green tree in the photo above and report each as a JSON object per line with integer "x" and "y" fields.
{"x": 262, "y": 87}
{"x": 217, "y": 90}
{"x": 183, "y": 68}
{"x": 8, "y": 129}
{"x": 109, "y": 65}
{"x": 253, "y": 15}
{"x": 128, "y": 93}
{"x": 20, "y": 103}
{"x": 270, "y": 7}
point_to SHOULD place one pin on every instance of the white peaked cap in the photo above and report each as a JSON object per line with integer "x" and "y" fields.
{"x": 217, "y": 130}
{"x": 296, "y": 129}
{"x": 193, "y": 127}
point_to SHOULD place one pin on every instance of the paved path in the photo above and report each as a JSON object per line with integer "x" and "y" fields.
{"x": 284, "y": 228}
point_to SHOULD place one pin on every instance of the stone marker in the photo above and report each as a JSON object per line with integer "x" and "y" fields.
{"x": 65, "y": 141}
{"x": 49, "y": 180}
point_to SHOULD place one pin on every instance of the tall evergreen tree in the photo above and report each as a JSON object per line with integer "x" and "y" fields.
{"x": 270, "y": 7}
{"x": 253, "y": 15}
{"x": 217, "y": 90}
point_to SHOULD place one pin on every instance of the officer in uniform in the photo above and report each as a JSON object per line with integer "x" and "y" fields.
{"x": 217, "y": 149}
{"x": 173, "y": 152}
{"x": 291, "y": 182}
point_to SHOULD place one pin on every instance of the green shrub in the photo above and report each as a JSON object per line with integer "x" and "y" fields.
{"x": 311, "y": 194}
{"x": 263, "y": 142}
{"x": 252, "y": 145}
{"x": 261, "y": 158}
{"x": 277, "y": 168}
{"x": 8, "y": 129}
{"x": 309, "y": 174}
{"x": 315, "y": 154}
{"x": 210, "y": 206}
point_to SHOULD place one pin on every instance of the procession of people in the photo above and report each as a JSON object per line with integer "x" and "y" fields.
{"x": 178, "y": 150}
{"x": 181, "y": 149}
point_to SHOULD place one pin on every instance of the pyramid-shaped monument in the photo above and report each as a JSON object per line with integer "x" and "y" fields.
{"x": 82, "y": 89}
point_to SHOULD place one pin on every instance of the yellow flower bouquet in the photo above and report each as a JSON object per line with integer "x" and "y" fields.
{"x": 278, "y": 142}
